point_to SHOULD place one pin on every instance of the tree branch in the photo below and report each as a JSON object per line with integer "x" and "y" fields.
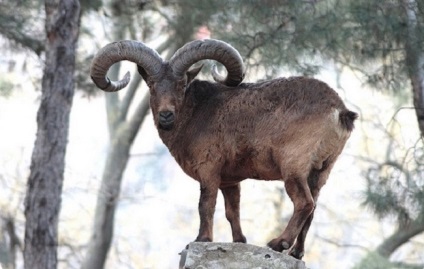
{"x": 164, "y": 14}
{"x": 129, "y": 96}
{"x": 112, "y": 110}
{"x": 12, "y": 28}
{"x": 26, "y": 41}
{"x": 268, "y": 37}
{"x": 408, "y": 265}
{"x": 138, "y": 117}
{"x": 340, "y": 245}
{"x": 113, "y": 103}
{"x": 401, "y": 236}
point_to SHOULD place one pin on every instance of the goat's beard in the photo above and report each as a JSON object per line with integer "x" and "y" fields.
{"x": 166, "y": 127}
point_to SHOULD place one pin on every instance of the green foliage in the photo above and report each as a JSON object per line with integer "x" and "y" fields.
{"x": 368, "y": 36}
{"x": 397, "y": 189}
{"x": 87, "y": 5}
{"x": 21, "y": 22}
{"x": 375, "y": 261}
{"x": 6, "y": 88}
{"x": 385, "y": 20}
{"x": 378, "y": 37}
{"x": 271, "y": 34}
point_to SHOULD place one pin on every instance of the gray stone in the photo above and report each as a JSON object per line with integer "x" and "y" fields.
{"x": 199, "y": 255}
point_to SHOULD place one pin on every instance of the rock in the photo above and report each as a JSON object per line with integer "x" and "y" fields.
{"x": 199, "y": 255}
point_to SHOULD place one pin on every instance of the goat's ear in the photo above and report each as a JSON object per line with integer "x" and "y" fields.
{"x": 143, "y": 73}
{"x": 191, "y": 74}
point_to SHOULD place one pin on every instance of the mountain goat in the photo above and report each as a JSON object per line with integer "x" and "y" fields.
{"x": 288, "y": 129}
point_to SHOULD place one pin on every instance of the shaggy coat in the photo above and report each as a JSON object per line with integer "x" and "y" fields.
{"x": 288, "y": 129}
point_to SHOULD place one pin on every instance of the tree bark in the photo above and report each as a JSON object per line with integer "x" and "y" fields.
{"x": 415, "y": 60}
{"x": 44, "y": 186}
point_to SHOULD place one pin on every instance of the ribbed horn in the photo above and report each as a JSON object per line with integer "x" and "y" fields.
{"x": 212, "y": 49}
{"x": 129, "y": 50}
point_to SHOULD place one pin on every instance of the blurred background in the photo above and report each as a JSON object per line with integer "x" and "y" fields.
{"x": 370, "y": 214}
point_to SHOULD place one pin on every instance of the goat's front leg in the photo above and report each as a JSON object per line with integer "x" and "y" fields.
{"x": 298, "y": 191}
{"x": 207, "y": 202}
{"x": 232, "y": 211}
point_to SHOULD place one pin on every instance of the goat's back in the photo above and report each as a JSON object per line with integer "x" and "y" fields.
{"x": 284, "y": 100}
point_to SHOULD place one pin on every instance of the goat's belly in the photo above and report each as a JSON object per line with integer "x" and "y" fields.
{"x": 250, "y": 169}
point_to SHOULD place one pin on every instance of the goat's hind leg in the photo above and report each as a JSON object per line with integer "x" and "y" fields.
{"x": 298, "y": 191}
{"x": 232, "y": 210}
{"x": 316, "y": 180}
{"x": 298, "y": 250}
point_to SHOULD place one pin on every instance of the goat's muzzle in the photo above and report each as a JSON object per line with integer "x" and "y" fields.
{"x": 166, "y": 120}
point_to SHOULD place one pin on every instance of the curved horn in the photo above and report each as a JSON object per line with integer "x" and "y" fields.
{"x": 210, "y": 49}
{"x": 129, "y": 50}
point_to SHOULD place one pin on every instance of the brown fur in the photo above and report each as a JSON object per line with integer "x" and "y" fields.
{"x": 285, "y": 129}
{"x": 290, "y": 129}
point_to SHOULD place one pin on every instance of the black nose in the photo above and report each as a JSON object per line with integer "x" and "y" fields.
{"x": 166, "y": 119}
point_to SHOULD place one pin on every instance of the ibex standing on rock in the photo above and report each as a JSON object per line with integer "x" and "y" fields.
{"x": 289, "y": 129}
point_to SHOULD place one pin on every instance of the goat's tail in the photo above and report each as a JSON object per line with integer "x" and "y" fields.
{"x": 347, "y": 118}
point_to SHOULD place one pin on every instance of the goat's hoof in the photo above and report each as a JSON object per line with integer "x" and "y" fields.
{"x": 203, "y": 239}
{"x": 298, "y": 254}
{"x": 241, "y": 239}
{"x": 278, "y": 245}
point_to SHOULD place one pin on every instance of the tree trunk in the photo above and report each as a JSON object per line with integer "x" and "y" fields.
{"x": 44, "y": 186}
{"x": 107, "y": 200}
{"x": 122, "y": 139}
{"x": 415, "y": 60}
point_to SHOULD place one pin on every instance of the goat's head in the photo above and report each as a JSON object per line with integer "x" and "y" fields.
{"x": 167, "y": 80}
